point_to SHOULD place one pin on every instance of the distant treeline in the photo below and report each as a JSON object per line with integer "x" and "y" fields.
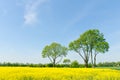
{"x": 72, "y": 64}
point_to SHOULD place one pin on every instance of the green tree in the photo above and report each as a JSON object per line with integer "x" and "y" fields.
{"x": 96, "y": 43}
{"x": 81, "y": 48}
{"x": 75, "y": 64}
{"x": 88, "y": 44}
{"x": 100, "y": 47}
{"x": 54, "y": 51}
{"x": 66, "y": 61}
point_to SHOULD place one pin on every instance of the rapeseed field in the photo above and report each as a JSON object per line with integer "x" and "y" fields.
{"x": 29, "y": 73}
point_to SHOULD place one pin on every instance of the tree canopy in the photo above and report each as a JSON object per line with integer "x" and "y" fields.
{"x": 53, "y": 52}
{"x": 66, "y": 61}
{"x": 88, "y": 44}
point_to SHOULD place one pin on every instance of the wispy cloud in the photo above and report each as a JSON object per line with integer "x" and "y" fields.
{"x": 31, "y": 13}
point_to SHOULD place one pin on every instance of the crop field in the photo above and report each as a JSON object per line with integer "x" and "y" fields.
{"x": 27, "y": 73}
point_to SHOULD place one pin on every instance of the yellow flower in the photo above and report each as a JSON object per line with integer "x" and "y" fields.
{"x": 27, "y": 73}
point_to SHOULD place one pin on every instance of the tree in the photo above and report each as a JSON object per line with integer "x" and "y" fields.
{"x": 96, "y": 43}
{"x": 75, "y": 64}
{"x": 66, "y": 61}
{"x": 80, "y": 47}
{"x": 53, "y": 52}
{"x": 88, "y": 44}
{"x": 100, "y": 47}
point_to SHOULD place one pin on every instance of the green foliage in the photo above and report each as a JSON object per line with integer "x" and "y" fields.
{"x": 49, "y": 65}
{"x": 101, "y": 64}
{"x": 88, "y": 44}
{"x": 108, "y": 64}
{"x": 66, "y": 61}
{"x": 53, "y": 52}
{"x": 102, "y": 47}
{"x": 75, "y": 64}
{"x": 95, "y": 41}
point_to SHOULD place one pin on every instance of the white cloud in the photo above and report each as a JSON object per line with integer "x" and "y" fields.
{"x": 31, "y": 13}
{"x": 30, "y": 18}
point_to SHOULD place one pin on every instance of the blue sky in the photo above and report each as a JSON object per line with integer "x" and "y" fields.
{"x": 26, "y": 26}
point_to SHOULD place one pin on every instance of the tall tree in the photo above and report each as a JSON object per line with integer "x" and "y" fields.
{"x": 88, "y": 44}
{"x": 80, "y": 47}
{"x": 100, "y": 47}
{"x": 96, "y": 42}
{"x": 53, "y": 52}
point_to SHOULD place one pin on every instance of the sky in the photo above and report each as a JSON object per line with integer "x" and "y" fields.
{"x": 27, "y": 26}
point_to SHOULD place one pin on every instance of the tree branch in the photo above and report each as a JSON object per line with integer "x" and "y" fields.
{"x": 50, "y": 59}
{"x": 59, "y": 60}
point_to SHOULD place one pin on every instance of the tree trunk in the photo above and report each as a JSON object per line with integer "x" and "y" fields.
{"x": 92, "y": 60}
{"x": 53, "y": 62}
{"x": 86, "y": 63}
{"x": 95, "y": 60}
